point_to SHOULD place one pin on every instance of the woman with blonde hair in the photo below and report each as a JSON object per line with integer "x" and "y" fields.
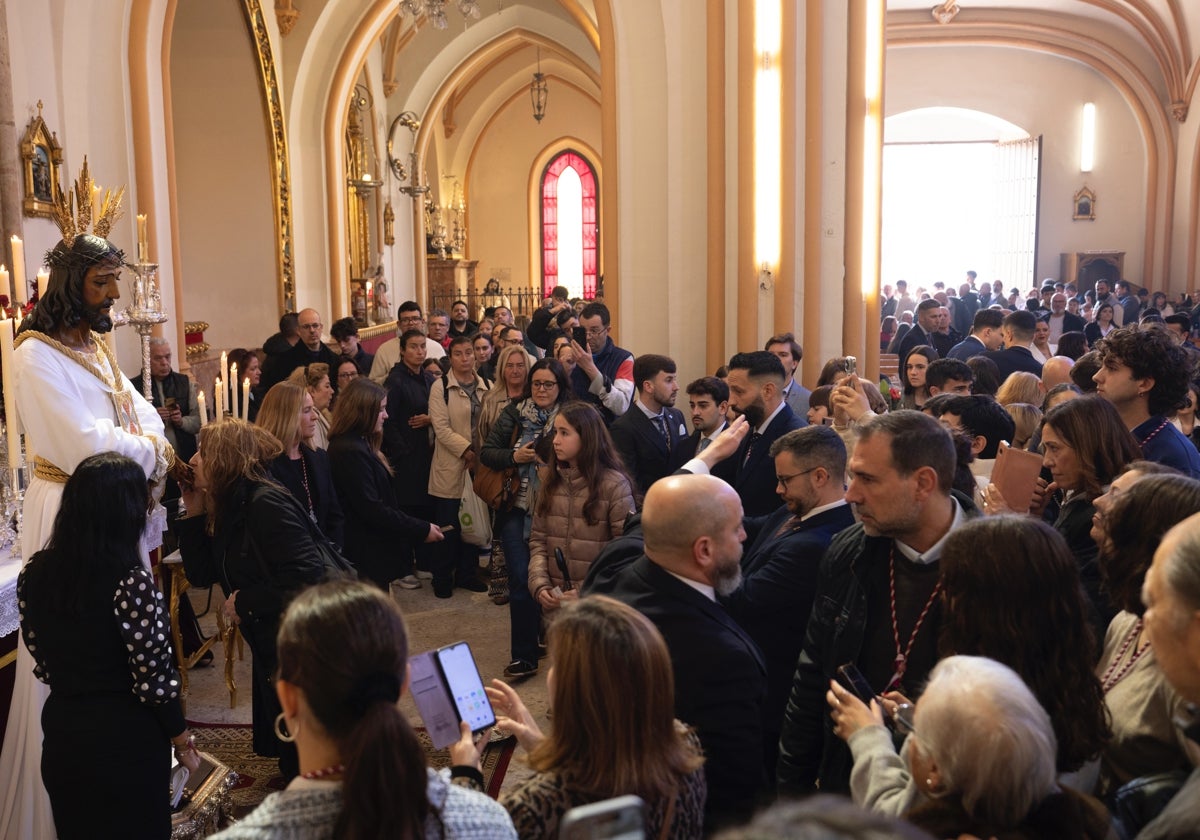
{"x": 647, "y": 752}
{"x": 512, "y": 370}
{"x": 1021, "y": 387}
{"x": 1027, "y": 418}
{"x": 315, "y": 379}
{"x": 287, "y": 413}
{"x": 245, "y": 532}
{"x": 377, "y": 530}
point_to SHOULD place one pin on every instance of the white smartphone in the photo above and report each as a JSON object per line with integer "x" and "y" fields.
{"x": 622, "y": 818}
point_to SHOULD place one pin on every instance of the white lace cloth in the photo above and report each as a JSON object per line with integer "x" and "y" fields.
{"x": 9, "y": 618}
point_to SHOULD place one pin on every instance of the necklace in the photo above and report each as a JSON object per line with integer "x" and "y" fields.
{"x": 1154, "y": 434}
{"x": 1112, "y": 676}
{"x": 903, "y": 654}
{"x": 331, "y": 770}
{"x": 304, "y": 479}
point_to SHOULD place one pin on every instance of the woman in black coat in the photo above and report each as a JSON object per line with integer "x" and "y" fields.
{"x": 95, "y": 624}
{"x": 378, "y": 532}
{"x": 245, "y": 532}
{"x": 287, "y": 413}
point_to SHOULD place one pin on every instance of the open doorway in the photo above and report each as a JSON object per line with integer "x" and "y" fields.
{"x": 960, "y": 193}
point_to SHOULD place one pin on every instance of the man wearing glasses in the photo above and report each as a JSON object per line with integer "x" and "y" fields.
{"x": 779, "y": 567}
{"x": 603, "y": 372}
{"x": 408, "y": 317}
{"x": 307, "y": 350}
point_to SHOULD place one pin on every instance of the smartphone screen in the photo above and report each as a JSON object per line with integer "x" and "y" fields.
{"x": 580, "y": 336}
{"x": 433, "y": 700}
{"x": 611, "y": 819}
{"x": 854, "y": 680}
{"x": 466, "y": 686}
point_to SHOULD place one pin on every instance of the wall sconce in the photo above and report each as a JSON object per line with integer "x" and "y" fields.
{"x": 1087, "y": 138}
{"x": 414, "y": 188}
{"x": 765, "y": 280}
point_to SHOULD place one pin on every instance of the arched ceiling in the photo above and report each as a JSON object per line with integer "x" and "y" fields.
{"x": 1158, "y": 34}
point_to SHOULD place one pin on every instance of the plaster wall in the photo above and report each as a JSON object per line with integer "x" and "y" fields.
{"x": 965, "y": 78}
{"x": 223, "y": 161}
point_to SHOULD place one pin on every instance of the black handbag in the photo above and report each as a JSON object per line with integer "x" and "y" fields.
{"x": 1140, "y": 800}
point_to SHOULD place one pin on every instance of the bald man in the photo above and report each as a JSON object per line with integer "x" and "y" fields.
{"x": 1056, "y": 371}
{"x": 306, "y": 351}
{"x": 693, "y": 546}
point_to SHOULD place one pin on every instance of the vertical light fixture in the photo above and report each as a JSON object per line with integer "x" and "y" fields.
{"x": 872, "y": 94}
{"x": 539, "y": 92}
{"x": 1087, "y": 138}
{"x": 767, "y": 138}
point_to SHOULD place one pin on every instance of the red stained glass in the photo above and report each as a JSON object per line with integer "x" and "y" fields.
{"x": 587, "y": 213}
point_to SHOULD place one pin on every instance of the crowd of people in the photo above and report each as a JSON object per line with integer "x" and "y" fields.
{"x": 810, "y": 590}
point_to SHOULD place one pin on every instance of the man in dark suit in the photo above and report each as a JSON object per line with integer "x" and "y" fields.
{"x": 649, "y": 431}
{"x": 779, "y": 569}
{"x": 789, "y": 351}
{"x": 708, "y": 399}
{"x": 964, "y": 307}
{"x": 309, "y": 349}
{"x": 922, "y": 331}
{"x": 1017, "y": 331}
{"x": 985, "y": 335}
{"x": 756, "y": 391}
{"x": 693, "y": 532}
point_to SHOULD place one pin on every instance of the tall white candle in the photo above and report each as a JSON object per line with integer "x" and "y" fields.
{"x": 246, "y": 398}
{"x": 218, "y": 392}
{"x": 203, "y": 409}
{"x": 224, "y": 368}
{"x": 43, "y": 280}
{"x": 18, "y": 268}
{"x": 233, "y": 383}
{"x": 143, "y": 239}
{"x": 95, "y": 204}
{"x": 8, "y": 379}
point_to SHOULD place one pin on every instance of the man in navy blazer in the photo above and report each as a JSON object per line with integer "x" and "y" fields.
{"x": 1018, "y": 329}
{"x": 649, "y": 431}
{"x": 922, "y": 331}
{"x": 693, "y": 532}
{"x": 779, "y": 569}
{"x": 708, "y": 401}
{"x": 985, "y": 335}
{"x": 756, "y": 383}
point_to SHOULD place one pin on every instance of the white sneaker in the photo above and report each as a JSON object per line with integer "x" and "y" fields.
{"x": 421, "y": 574}
{"x": 409, "y": 582}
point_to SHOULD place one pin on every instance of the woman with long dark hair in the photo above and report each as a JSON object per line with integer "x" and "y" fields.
{"x": 1142, "y": 504}
{"x": 585, "y": 498}
{"x": 377, "y": 530}
{"x": 287, "y": 413}
{"x": 95, "y": 623}
{"x": 519, "y": 438}
{"x": 250, "y": 368}
{"x": 1010, "y": 592}
{"x": 343, "y": 664}
{"x": 913, "y": 371}
{"x": 1101, "y": 324}
{"x": 250, "y": 535}
{"x": 654, "y": 756}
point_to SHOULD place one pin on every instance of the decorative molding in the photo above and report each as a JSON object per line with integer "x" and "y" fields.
{"x": 286, "y": 16}
{"x": 281, "y": 187}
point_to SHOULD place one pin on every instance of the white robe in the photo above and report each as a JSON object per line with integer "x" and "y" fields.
{"x": 68, "y": 414}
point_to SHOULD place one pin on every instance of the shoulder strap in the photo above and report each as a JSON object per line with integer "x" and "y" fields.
{"x": 446, "y": 387}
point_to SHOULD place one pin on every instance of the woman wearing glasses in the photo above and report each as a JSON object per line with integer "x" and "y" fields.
{"x": 513, "y": 441}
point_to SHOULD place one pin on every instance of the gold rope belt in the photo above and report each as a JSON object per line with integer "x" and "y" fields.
{"x": 46, "y": 471}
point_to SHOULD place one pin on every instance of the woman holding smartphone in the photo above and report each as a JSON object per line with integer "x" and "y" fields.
{"x": 583, "y": 504}
{"x": 512, "y": 442}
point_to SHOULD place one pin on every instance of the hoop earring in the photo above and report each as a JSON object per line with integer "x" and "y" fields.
{"x": 286, "y": 737}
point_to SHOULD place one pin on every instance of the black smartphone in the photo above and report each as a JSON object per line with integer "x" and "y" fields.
{"x": 853, "y": 679}
{"x": 562, "y": 567}
{"x": 579, "y": 334}
{"x": 466, "y": 686}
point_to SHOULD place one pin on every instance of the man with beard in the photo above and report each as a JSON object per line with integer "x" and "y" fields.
{"x": 646, "y": 434}
{"x": 693, "y": 533}
{"x": 877, "y": 590}
{"x": 73, "y": 402}
{"x": 756, "y": 383}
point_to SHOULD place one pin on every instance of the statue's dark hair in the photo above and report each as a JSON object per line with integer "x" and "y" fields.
{"x": 63, "y": 301}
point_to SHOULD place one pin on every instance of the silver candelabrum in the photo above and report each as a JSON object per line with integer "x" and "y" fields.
{"x": 143, "y": 313}
{"x": 12, "y": 488}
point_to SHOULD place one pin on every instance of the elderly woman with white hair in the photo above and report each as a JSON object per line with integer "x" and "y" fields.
{"x": 982, "y": 752}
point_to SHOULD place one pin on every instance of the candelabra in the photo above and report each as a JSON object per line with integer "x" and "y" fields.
{"x": 15, "y": 477}
{"x": 145, "y": 311}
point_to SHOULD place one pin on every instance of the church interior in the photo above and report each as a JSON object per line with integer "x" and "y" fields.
{"x": 719, "y": 167}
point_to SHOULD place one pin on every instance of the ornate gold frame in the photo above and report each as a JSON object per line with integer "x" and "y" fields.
{"x": 38, "y": 138}
{"x": 1084, "y": 205}
{"x": 281, "y": 178}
